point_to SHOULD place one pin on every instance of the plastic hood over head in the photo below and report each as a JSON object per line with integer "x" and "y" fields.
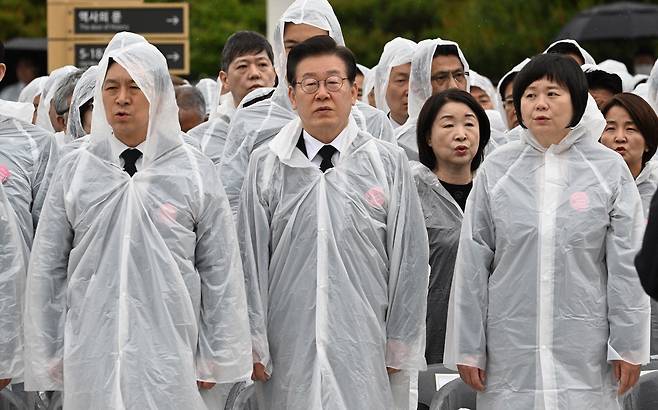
{"x": 499, "y": 99}
{"x": 148, "y": 68}
{"x": 317, "y": 13}
{"x": 619, "y": 68}
{"x": 587, "y": 57}
{"x": 34, "y": 88}
{"x": 478, "y": 80}
{"x": 396, "y": 52}
{"x": 210, "y": 90}
{"x": 368, "y": 84}
{"x": 652, "y": 88}
{"x": 420, "y": 83}
{"x": 363, "y": 69}
{"x": 83, "y": 92}
{"x": 47, "y": 93}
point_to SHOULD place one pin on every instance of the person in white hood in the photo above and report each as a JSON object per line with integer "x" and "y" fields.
{"x": 258, "y": 123}
{"x": 335, "y": 251}
{"x": 546, "y": 308}
{"x": 135, "y": 292}
{"x": 571, "y": 49}
{"x": 392, "y": 79}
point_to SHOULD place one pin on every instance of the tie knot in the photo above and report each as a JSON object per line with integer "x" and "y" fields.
{"x": 130, "y": 157}
{"x": 326, "y": 153}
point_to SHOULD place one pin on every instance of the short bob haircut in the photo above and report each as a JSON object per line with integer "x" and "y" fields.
{"x": 557, "y": 68}
{"x": 428, "y": 114}
{"x": 643, "y": 116}
{"x": 315, "y": 47}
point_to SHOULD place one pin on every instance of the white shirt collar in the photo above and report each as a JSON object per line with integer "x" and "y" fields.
{"x": 118, "y": 147}
{"x": 313, "y": 145}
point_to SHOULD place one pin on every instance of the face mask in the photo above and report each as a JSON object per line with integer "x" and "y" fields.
{"x": 643, "y": 69}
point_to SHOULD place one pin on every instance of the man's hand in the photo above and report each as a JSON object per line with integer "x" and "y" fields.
{"x": 205, "y": 385}
{"x": 627, "y": 374}
{"x": 472, "y": 376}
{"x": 4, "y": 383}
{"x": 391, "y": 370}
{"x": 259, "y": 373}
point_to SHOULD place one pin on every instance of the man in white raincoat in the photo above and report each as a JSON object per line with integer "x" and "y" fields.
{"x": 135, "y": 289}
{"x": 46, "y": 115}
{"x": 392, "y": 80}
{"x": 255, "y": 125}
{"x": 546, "y": 309}
{"x": 27, "y": 158}
{"x": 335, "y": 251}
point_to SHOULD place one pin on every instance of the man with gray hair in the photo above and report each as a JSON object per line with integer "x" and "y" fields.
{"x": 191, "y": 106}
{"x": 60, "y": 106}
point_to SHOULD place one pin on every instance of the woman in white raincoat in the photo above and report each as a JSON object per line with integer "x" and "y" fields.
{"x": 546, "y": 309}
{"x": 335, "y": 263}
{"x": 135, "y": 289}
{"x": 632, "y": 131}
{"x": 453, "y": 130}
{"x": 257, "y": 124}
{"x": 395, "y": 63}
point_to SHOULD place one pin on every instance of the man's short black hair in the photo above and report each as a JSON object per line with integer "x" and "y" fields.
{"x": 428, "y": 114}
{"x": 557, "y": 68}
{"x": 319, "y": 46}
{"x": 564, "y": 47}
{"x": 599, "y": 79}
{"x": 243, "y": 43}
{"x": 446, "y": 50}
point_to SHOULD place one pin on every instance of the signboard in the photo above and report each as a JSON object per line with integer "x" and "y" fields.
{"x": 160, "y": 20}
{"x": 87, "y": 55}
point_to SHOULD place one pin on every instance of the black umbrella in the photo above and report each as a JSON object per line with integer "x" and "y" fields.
{"x": 624, "y": 20}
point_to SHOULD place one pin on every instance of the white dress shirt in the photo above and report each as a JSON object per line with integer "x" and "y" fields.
{"x": 117, "y": 149}
{"x": 313, "y": 146}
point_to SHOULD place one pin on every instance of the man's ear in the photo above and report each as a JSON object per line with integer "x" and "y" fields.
{"x": 61, "y": 121}
{"x": 292, "y": 97}
{"x": 223, "y": 78}
{"x": 3, "y": 69}
{"x": 354, "y": 90}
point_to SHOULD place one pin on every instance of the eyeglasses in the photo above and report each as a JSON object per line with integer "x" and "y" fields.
{"x": 311, "y": 85}
{"x": 443, "y": 77}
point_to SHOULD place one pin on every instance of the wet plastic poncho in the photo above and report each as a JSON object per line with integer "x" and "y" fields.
{"x": 499, "y": 93}
{"x": 368, "y": 84}
{"x": 476, "y": 79}
{"x": 618, "y": 68}
{"x": 135, "y": 284}
{"x": 82, "y": 93}
{"x": 19, "y": 110}
{"x": 396, "y": 52}
{"x": 254, "y": 125}
{"x": 336, "y": 272}
{"x": 443, "y": 221}
{"x": 497, "y": 123}
{"x": 27, "y": 158}
{"x": 47, "y": 94}
{"x": 587, "y": 57}
{"x": 545, "y": 293}
{"x": 34, "y": 88}
{"x": 210, "y": 91}
{"x": 420, "y": 90}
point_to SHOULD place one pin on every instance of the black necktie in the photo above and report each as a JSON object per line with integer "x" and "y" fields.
{"x": 326, "y": 153}
{"x": 130, "y": 157}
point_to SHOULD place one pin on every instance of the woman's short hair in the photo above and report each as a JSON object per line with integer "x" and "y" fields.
{"x": 643, "y": 116}
{"x": 557, "y": 68}
{"x": 428, "y": 114}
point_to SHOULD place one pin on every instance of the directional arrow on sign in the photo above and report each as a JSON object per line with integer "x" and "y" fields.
{"x": 174, "y": 20}
{"x": 173, "y": 56}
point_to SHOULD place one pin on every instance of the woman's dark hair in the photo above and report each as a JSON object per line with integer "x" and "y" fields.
{"x": 428, "y": 114}
{"x": 319, "y": 46}
{"x": 560, "y": 69}
{"x": 643, "y": 116}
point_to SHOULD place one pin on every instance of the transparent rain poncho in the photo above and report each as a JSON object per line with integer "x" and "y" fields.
{"x": 254, "y": 125}
{"x": 499, "y": 93}
{"x": 420, "y": 90}
{"x": 647, "y": 184}
{"x": 135, "y": 288}
{"x": 619, "y": 68}
{"x": 83, "y": 92}
{"x": 19, "y": 110}
{"x": 13, "y": 270}
{"x": 368, "y": 84}
{"x": 336, "y": 272}
{"x": 545, "y": 293}
{"x": 396, "y": 52}
{"x": 210, "y": 90}
{"x": 27, "y": 158}
{"x": 34, "y": 88}
{"x": 478, "y": 80}
{"x": 47, "y": 93}
{"x": 587, "y": 57}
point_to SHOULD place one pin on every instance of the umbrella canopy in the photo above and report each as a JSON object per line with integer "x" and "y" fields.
{"x": 623, "y": 20}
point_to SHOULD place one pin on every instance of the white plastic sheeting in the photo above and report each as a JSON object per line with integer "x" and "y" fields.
{"x": 82, "y": 93}
{"x": 396, "y": 52}
{"x": 47, "y": 94}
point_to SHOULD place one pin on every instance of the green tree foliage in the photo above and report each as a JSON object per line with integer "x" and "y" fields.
{"x": 22, "y": 18}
